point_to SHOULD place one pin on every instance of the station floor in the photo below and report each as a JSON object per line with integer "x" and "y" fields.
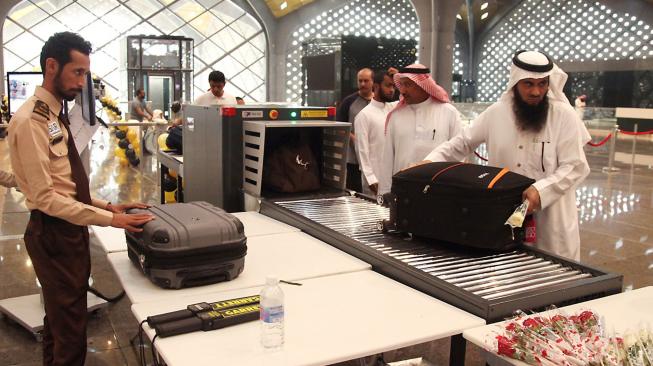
{"x": 616, "y": 213}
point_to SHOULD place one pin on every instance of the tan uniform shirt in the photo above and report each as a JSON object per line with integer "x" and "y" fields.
{"x": 7, "y": 179}
{"x": 39, "y": 157}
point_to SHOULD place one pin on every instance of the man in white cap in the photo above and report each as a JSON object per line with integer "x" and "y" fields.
{"x": 533, "y": 130}
{"x": 370, "y": 130}
{"x": 421, "y": 121}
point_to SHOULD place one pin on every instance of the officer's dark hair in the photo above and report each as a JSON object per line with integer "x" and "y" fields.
{"x": 217, "y": 76}
{"x": 175, "y": 107}
{"x": 380, "y": 75}
{"x": 59, "y": 46}
{"x": 138, "y": 91}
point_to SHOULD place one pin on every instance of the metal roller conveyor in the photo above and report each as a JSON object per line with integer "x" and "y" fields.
{"x": 471, "y": 284}
{"x": 490, "y": 285}
{"x": 499, "y": 275}
{"x": 496, "y": 283}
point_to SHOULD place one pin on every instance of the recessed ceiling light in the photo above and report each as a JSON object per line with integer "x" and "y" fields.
{"x": 484, "y": 16}
{"x": 283, "y": 5}
{"x": 484, "y": 6}
{"x": 459, "y": 17}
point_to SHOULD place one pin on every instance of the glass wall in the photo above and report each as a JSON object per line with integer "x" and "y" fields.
{"x": 226, "y": 37}
{"x": 366, "y": 18}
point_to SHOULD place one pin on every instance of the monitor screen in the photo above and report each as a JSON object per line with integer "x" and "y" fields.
{"x": 20, "y": 86}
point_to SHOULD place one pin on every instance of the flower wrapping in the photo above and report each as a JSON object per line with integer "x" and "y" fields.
{"x": 573, "y": 340}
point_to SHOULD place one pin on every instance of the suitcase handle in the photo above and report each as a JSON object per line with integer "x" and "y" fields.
{"x": 498, "y": 176}
{"x": 428, "y": 186}
{"x": 494, "y": 180}
{"x": 444, "y": 170}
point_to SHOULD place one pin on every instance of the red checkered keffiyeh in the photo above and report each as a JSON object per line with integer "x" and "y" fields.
{"x": 420, "y": 74}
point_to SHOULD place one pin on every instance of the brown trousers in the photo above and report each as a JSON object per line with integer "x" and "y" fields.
{"x": 60, "y": 255}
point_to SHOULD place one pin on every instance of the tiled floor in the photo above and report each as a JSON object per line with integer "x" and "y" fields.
{"x": 616, "y": 235}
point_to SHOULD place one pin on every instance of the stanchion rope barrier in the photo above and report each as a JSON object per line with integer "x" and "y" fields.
{"x": 479, "y": 156}
{"x": 636, "y": 133}
{"x": 595, "y": 144}
{"x": 600, "y": 143}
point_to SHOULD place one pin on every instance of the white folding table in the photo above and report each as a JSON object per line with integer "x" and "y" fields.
{"x": 622, "y": 312}
{"x": 328, "y": 320}
{"x": 290, "y": 256}
{"x": 112, "y": 239}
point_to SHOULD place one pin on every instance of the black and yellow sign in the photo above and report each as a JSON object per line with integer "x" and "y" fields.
{"x": 241, "y": 301}
{"x": 314, "y": 113}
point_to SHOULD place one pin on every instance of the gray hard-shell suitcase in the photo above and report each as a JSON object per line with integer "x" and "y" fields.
{"x": 188, "y": 244}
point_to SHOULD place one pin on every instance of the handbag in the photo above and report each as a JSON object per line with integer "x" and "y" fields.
{"x": 291, "y": 168}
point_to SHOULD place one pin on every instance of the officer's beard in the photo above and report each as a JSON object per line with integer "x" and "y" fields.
{"x": 69, "y": 94}
{"x": 530, "y": 117}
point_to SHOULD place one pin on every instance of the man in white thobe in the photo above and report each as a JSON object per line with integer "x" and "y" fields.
{"x": 370, "y": 126}
{"x": 216, "y": 93}
{"x": 534, "y": 131}
{"x": 421, "y": 121}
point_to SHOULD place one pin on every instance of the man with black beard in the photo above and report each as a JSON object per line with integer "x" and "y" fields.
{"x": 530, "y": 117}
{"x": 50, "y": 174}
{"x": 370, "y": 130}
{"x": 533, "y": 130}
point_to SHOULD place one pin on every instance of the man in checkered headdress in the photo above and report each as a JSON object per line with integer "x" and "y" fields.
{"x": 421, "y": 121}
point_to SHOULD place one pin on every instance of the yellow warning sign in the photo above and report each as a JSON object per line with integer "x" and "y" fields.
{"x": 314, "y": 114}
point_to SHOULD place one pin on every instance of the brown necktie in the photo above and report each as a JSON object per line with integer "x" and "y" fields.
{"x": 77, "y": 169}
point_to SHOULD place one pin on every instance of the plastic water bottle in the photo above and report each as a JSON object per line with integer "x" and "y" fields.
{"x": 272, "y": 314}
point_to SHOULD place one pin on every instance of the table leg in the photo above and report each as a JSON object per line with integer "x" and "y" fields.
{"x": 457, "y": 351}
{"x": 163, "y": 170}
{"x": 180, "y": 188}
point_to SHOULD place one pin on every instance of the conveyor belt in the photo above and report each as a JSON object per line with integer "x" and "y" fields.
{"x": 491, "y": 285}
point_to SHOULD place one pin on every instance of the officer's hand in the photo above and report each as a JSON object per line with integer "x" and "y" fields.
{"x": 130, "y": 221}
{"x": 533, "y": 196}
{"x": 374, "y": 188}
{"x": 121, "y": 208}
{"x": 392, "y": 70}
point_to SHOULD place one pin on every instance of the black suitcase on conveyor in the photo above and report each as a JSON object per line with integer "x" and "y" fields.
{"x": 464, "y": 204}
{"x": 188, "y": 244}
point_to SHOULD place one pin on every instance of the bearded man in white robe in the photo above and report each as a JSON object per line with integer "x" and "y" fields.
{"x": 422, "y": 120}
{"x": 533, "y": 130}
{"x": 370, "y": 130}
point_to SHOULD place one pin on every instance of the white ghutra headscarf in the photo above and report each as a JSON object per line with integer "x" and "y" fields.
{"x": 537, "y": 65}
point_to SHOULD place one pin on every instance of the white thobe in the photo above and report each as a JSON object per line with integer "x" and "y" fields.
{"x": 412, "y": 132}
{"x": 554, "y": 157}
{"x": 208, "y": 99}
{"x": 370, "y": 137}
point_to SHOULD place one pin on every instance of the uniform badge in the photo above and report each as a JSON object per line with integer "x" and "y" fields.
{"x": 42, "y": 109}
{"x": 54, "y": 132}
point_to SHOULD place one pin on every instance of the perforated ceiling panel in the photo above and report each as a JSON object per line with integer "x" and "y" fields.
{"x": 568, "y": 30}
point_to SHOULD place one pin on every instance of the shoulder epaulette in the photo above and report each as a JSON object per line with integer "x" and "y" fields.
{"x": 41, "y": 108}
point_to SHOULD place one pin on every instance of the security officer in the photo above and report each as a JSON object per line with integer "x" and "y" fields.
{"x": 49, "y": 172}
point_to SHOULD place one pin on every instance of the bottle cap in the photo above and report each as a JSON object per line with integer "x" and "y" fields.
{"x": 271, "y": 280}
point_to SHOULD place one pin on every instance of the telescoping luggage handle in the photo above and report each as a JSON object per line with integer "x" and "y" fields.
{"x": 489, "y": 186}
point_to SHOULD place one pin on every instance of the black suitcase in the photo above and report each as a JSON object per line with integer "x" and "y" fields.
{"x": 188, "y": 244}
{"x": 464, "y": 204}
